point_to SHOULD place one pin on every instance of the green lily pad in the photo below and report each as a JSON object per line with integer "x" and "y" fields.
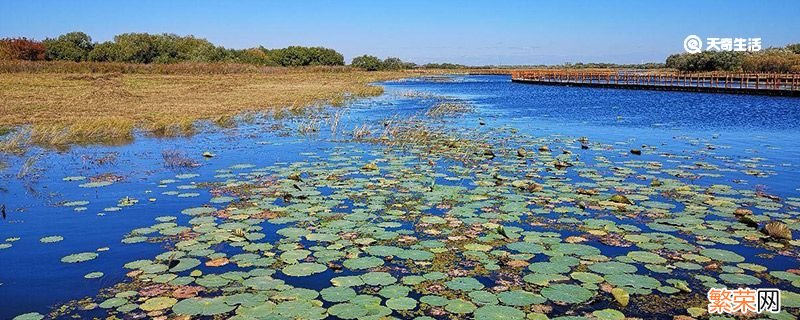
{"x": 464, "y": 284}
{"x": 608, "y": 314}
{"x": 51, "y": 239}
{"x": 363, "y": 263}
{"x": 202, "y": 307}
{"x": 394, "y": 291}
{"x": 113, "y": 303}
{"x": 736, "y": 278}
{"x": 520, "y": 298}
{"x": 722, "y": 255}
{"x": 348, "y": 311}
{"x": 29, "y": 316}
{"x": 378, "y": 278}
{"x": 646, "y": 257}
{"x": 402, "y": 303}
{"x": 303, "y": 269}
{"x": 158, "y": 303}
{"x": 497, "y": 312}
{"x": 459, "y": 306}
{"x": 262, "y": 283}
{"x": 567, "y": 293}
{"x": 79, "y": 257}
{"x": 338, "y": 294}
{"x": 633, "y": 281}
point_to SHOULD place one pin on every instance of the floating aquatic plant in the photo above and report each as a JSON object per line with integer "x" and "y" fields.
{"x": 79, "y": 257}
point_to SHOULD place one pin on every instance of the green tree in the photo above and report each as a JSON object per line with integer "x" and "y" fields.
{"x": 320, "y": 56}
{"x": 136, "y": 47}
{"x": 367, "y": 62}
{"x": 73, "y": 46}
{"x": 292, "y": 56}
{"x": 259, "y": 56}
{"x": 392, "y": 63}
{"x": 104, "y": 52}
{"x": 706, "y": 61}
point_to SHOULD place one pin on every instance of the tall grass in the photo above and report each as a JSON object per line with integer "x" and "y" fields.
{"x": 112, "y": 130}
{"x": 66, "y": 103}
{"x": 14, "y": 142}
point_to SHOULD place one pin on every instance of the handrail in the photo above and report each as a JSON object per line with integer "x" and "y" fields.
{"x": 722, "y": 80}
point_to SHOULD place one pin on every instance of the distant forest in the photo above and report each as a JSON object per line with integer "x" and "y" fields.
{"x": 171, "y": 48}
{"x": 145, "y": 48}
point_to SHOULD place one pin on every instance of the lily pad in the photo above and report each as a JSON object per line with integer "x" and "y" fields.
{"x": 464, "y": 284}
{"x": 348, "y": 311}
{"x": 402, "y": 303}
{"x": 79, "y": 257}
{"x": 459, "y": 306}
{"x": 303, "y": 269}
{"x": 202, "y": 307}
{"x": 29, "y": 316}
{"x": 722, "y": 255}
{"x": 338, "y": 294}
{"x": 158, "y": 303}
{"x": 520, "y": 298}
{"x": 51, "y": 239}
{"x": 567, "y": 293}
{"x": 497, "y": 312}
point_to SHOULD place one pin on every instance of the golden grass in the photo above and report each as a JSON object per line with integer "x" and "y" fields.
{"x": 62, "y": 109}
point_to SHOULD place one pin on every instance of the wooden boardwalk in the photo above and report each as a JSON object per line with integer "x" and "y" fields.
{"x": 718, "y": 82}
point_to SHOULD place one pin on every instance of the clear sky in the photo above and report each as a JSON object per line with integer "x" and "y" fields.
{"x": 469, "y": 32}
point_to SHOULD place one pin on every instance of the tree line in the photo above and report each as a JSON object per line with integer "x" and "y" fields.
{"x": 171, "y": 48}
{"x": 159, "y": 48}
{"x": 786, "y": 59}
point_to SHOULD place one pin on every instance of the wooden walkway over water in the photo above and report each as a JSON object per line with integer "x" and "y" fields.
{"x": 718, "y": 82}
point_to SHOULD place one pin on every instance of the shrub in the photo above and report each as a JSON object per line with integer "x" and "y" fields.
{"x": 73, "y": 46}
{"x": 295, "y": 56}
{"x": 104, "y": 52}
{"x": 772, "y": 61}
{"x": 706, "y": 61}
{"x": 21, "y": 49}
{"x": 257, "y": 56}
{"x": 392, "y": 63}
{"x": 443, "y": 66}
{"x": 367, "y": 62}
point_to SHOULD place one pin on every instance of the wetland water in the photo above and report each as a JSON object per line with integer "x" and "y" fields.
{"x": 422, "y": 216}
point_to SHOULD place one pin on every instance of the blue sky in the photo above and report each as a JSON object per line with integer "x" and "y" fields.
{"x": 469, "y": 32}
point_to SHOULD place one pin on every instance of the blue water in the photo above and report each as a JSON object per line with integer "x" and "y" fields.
{"x": 719, "y": 129}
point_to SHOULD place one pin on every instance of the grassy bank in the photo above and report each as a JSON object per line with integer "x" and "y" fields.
{"x": 62, "y": 104}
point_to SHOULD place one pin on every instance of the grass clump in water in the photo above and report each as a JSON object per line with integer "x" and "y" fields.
{"x": 443, "y": 109}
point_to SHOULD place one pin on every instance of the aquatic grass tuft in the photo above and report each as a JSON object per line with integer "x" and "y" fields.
{"x": 15, "y": 142}
{"x": 448, "y": 108}
{"x": 174, "y": 159}
{"x": 109, "y": 131}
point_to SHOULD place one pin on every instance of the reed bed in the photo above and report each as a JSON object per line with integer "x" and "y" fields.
{"x": 62, "y": 104}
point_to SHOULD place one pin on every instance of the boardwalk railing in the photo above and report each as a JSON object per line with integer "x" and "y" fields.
{"x": 743, "y": 83}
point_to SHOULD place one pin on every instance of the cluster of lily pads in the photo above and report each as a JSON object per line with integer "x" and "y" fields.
{"x": 421, "y": 221}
